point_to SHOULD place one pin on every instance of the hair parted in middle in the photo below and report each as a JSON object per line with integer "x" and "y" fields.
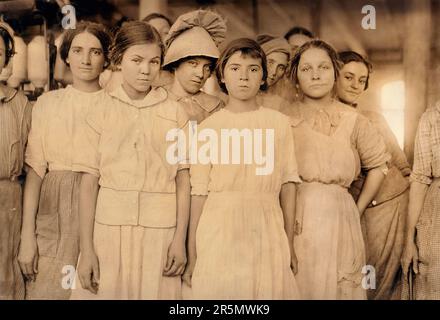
{"x": 248, "y": 48}
{"x": 318, "y": 44}
{"x": 96, "y": 29}
{"x": 130, "y": 34}
{"x": 352, "y": 56}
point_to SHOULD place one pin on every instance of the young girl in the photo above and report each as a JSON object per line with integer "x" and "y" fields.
{"x": 160, "y": 22}
{"x": 134, "y": 246}
{"x": 383, "y": 222}
{"x": 332, "y": 142}
{"x": 277, "y": 52}
{"x": 15, "y": 123}
{"x": 191, "y": 55}
{"x": 50, "y": 234}
{"x": 421, "y": 254}
{"x": 241, "y": 230}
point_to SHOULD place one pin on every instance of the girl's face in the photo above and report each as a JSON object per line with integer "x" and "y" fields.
{"x": 351, "y": 82}
{"x": 243, "y": 76}
{"x": 193, "y": 73}
{"x": 296, "y": 41}
{"x": 2, "y": 53}
{"x": 86, "y": 57}
{"x": 140, "y": 65}
{"x": 316, "y": 75}
{"x": 161, "y": 25}
{"x": 276, "y": 67}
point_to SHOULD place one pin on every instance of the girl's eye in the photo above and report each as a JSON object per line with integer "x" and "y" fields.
{"x": 363, "y": 81}
{"x": 234, "y": 68}
{"x": 305, "y": 69}
{"x": 349, "y": 78}
{"x": 254, "y": 69}
{"x": 137, "y": 61}
{"x": 76, "y": 50}
{"x": 282, "y": 68}
{"x": 97, "y": 52}
{"x": 155, "y": 62}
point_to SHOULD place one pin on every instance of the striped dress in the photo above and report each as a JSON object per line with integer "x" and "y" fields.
{"x": 15, "y": 122}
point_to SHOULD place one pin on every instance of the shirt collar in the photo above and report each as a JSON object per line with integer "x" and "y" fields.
{"x": 6, "y": 93}
{"x": 301, "y": 112}
{"x": 155, "y": 96}
{"x": 205, "y": 101}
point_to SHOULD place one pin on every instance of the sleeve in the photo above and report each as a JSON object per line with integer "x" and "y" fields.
{"x": 34, "y": 154}
{"x": 369, "y": 144}
{"x": 397, "y": 155}
{"x": 422, "y": 170}
{"x": 184, "y": 124}
{"x": 290, "y": 167}
{"x": 86, "y": 143}
{"x": 27, "y": 121}
{"x": 199, "y": 173}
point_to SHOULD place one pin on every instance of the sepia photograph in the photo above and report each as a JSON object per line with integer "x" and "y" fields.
{"x": 198, "y": 151}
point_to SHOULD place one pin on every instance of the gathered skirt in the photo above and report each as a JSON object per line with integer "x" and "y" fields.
{"x": 131, "y": 262}
{"x": 384, "y": 229}
{"x": 426, "y": 283}
{"x": 57, "y": 229}
{"x": 242, "y": 249}
{"x": 329, "y": 244}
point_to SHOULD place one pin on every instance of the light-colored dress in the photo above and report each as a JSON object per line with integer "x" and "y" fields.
{"x": 331, "y": 144}
{"x": 135, "y": 216}
{"x": 58, "y": 119}
{"x": 426, "y": 170}
{"x": 242, "y": 248}
{"x": 15, "y": 123}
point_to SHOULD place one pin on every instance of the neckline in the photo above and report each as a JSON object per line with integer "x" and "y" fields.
{"x": 72, "y": 88}
{"x": 242, "y": 112}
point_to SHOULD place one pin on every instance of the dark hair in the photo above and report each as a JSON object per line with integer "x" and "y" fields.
{"x": 174, "y": 65}
{"x": 319, "y": 44}
{"x": 96, "y": 29}
{"x": 352, "y": 56}
{"x": 247, "y": 47}
{"x": 134, "y": 33}
{"x": 156, "y": 15}
{"x": 263, "y": 38}
{"x": 298, "y": 30}
{"x": 9, "y": 44}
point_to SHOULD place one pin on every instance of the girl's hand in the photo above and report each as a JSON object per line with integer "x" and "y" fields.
{"x": 187, "y": 275}
{"x": 410, "y": 255}
{"x": 88, "y": 271}
{"x": 28, "y": 257}
{"x": 176, "y": 260}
